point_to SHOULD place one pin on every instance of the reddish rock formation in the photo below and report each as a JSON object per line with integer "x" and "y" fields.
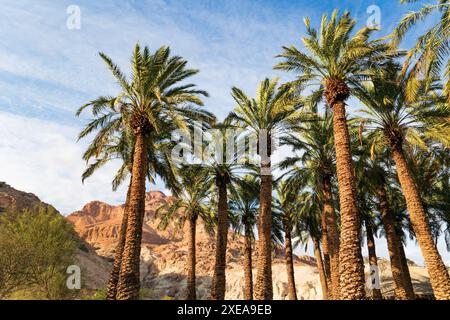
{"x": 13, "y": 199}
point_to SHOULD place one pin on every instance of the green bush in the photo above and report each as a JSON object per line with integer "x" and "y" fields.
{"x": 36, "y": 247}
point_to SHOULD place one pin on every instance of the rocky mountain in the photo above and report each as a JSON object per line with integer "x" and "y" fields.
{"x": 11, "y": 198}
{"x": 99, "y": 224}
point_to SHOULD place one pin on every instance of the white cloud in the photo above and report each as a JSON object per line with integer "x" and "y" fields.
{"x": 38, "y": 47}
{"x": 43, "y": 158}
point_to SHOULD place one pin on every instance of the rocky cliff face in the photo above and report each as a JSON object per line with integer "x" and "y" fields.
{"x": 11, "y": 198}
{"x": 99, "y": 224}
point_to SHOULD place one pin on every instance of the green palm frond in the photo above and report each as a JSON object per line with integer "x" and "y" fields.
{"x": 428, "y": 59}
{"x": 335, "y": 52}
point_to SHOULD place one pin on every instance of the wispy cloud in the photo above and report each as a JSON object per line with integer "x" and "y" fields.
{"x": 42, "y": 157}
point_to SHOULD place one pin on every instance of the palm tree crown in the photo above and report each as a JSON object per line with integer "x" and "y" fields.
{"x": 432, "y": 49}
{"x": 336, "y": 58}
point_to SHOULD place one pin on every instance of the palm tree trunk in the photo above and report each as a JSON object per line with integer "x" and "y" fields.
{"x": 218, "y": 282}
{"x": 191, "y": 289}
{"x": 320, "y": 267}
{"x": 405, "y": 270}
{"x": 393, "y": 244}
{"x": 263, "y": 285}
{"x": 439, "y": 277}
{"x": 111, "y": 289}
{"x": 292, "y": 293}
{"x": 332, "y": 236}
{"x": 248, "y": 269}
{"x": 129, "y": 278}
{"x": 326, "y": 256}
{"x": 351, "y": 265}
{"x": 373, "y": 261}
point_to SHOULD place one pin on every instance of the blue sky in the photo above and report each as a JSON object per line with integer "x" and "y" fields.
{"x": 47, "y": 71}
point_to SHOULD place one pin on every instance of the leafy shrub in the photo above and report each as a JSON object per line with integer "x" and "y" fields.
{"x": 36, "y": 247}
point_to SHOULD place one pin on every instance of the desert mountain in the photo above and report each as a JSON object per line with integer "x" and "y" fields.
{"x": 11, "y": 198}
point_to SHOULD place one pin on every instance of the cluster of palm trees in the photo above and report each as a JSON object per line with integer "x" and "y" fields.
{"x": 382, "y": 170}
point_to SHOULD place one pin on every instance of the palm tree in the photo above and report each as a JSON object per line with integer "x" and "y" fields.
{"x": 265, "y": 116}
{"x": 368, "y": 218}
{"x": 374, "y": 178}
{"x": 287, "y": 206}
{"x": 338, "y": 60}
{"x": 308, "y": 227}
{"x": 313, "y": 165}
{"x": 117, "y": 148}
{"x": 373, "y": 260}
{"x": 244, "y": 206}
{"x": 145, "y": 105}
{"x": 223, "y": 167}
{"x": 395, "y": 121}
{"x": 432, "y": 48}
{"x": 191, "y": 204}
{"x": 120, "y": 147}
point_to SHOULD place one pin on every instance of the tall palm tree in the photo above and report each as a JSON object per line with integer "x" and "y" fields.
{"x": 336, "y": 60}
{"x": 244, "y": 206}
{"x": 265, "y": 116}
{"x": 287, "y": 206}
{"x": 313, "y": 165}
{"x": 191, "y": 204}
{"x": 103, "y": 152}
{"x": 373, "y": 260}
{"x": 432, "y": 49}
{"x": 120, "y": 147}
{"x": 224, "y": 167}
{"x": 369, "y": 220}
{"x": 308, "y": 227}
{"x": 374, "y": 178}
{"x": 145, "y": 105}
{"x": 397, "y": 122}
